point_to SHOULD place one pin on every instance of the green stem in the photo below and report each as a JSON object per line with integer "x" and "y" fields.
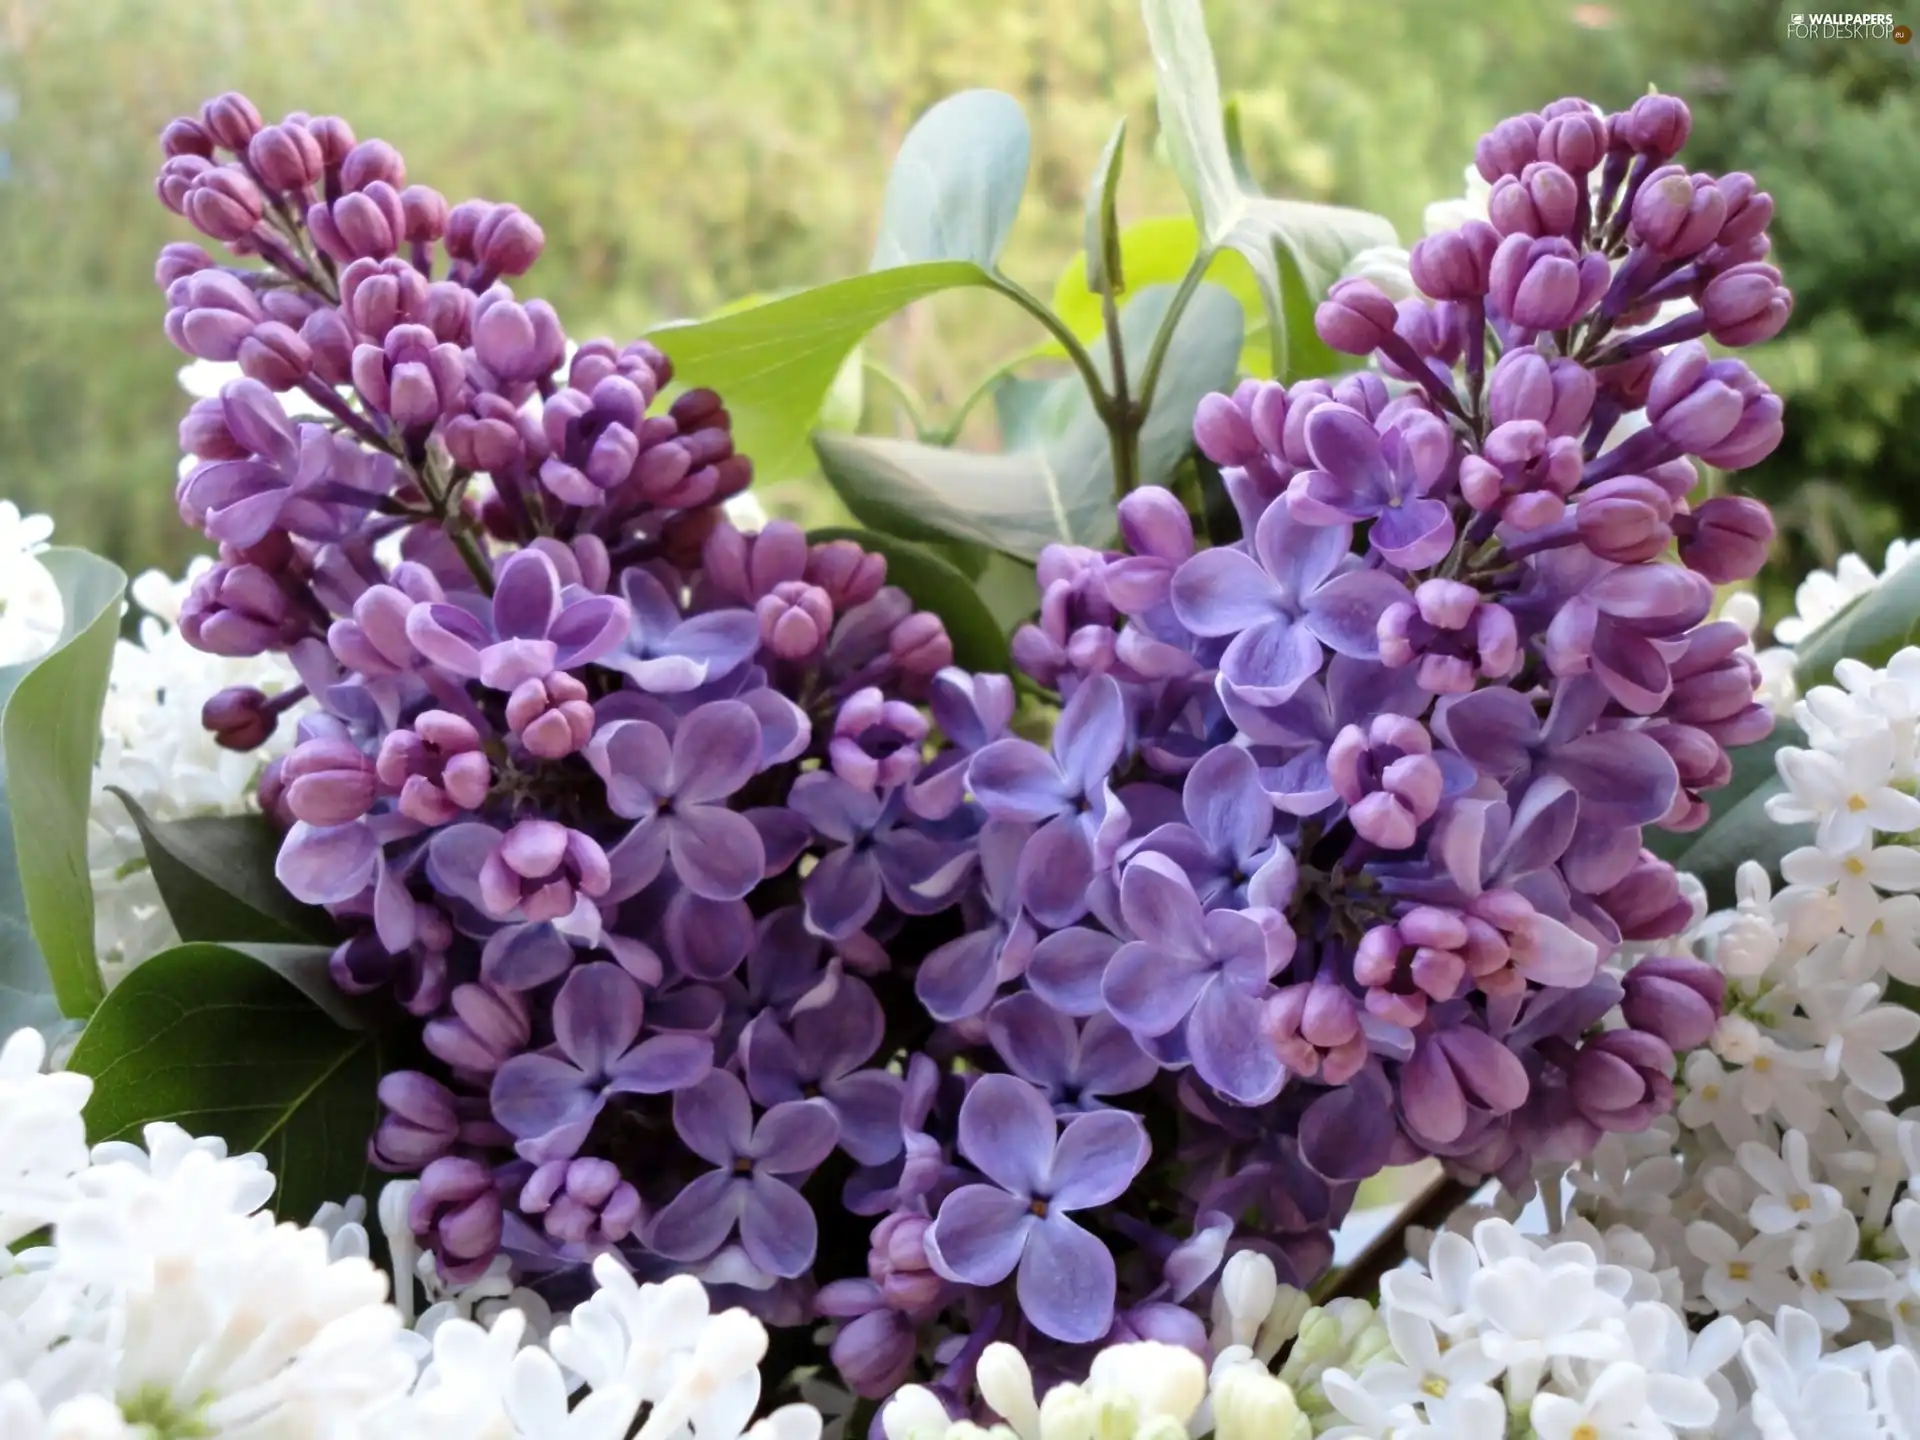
{"x": 902, "y": 393}
{"x": 1163, "y": 338}
{"x": 950, "y": 432}
{"x": 453, "y": 526}
{"x": 1123, "y": 426}
{"x": 1076, "y": 352}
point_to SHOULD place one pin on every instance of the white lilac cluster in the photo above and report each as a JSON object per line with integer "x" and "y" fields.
{"x": 1818, "y": 599}
{"x": 1786, "y": 1177}
{"x": 1498, "y": 1335}
{"x": 154, "y": 747}
{"x": 149, "y": 1296}
{"x": 30, "y": 607}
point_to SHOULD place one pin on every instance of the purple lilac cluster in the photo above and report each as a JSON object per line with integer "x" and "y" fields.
{"x": 742, "y": 934}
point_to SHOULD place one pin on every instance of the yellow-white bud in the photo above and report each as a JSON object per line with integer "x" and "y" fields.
{"x": 1006, "y": 1384}
{"x": 1160, "y": 1379}
{"x": 914, "y": 1413}
{"x": 1251, "y": 1404}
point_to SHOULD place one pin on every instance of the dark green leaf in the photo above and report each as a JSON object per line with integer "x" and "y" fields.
{"x": 51, "y": 732}
{"x": 220, "y": 1043}
{"x": 1870, "y": 629}
{"x": 215, "y": 874}
{"x": 775, "y": 363}
{"x": 956, "y": 184}
{"x": 1237, "y": 145}
{"x": 1060, "y": 488}
{"x": 1102, "y": 238}
{"x": 1739, "y": 829}
{"x": 1008, "y": 589}
{"x": 979, "y": 643}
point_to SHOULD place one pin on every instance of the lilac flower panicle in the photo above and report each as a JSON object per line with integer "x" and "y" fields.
{"x": 726, "y": 908}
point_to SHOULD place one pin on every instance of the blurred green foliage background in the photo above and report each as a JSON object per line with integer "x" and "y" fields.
{"x": 683, "y": 155}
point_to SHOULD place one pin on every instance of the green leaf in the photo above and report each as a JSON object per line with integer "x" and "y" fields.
{"x": 220, "y": 1043}
{"x": 1030, "y": 412}
{"x": 51, "y": 732}
{"x": 1870, "y": 629}
{"x": 1101, "y": 249}
{"x": 26, "y": 990}
{"x": 955, "y": 186}
{"x": 933, "y": 583}
{"x": 1059, "y": 488}
{"x": 776, "y": 362}
{"x": 1160, "y": 251}
{"x": 1739, "y": 828}
{"x": 1320, "y": 239}
{"x": 215, "y": 874}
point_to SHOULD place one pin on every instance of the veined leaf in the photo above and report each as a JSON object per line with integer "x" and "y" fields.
{"x": 219, "y": 1042}
{"x": 956, "y": 184}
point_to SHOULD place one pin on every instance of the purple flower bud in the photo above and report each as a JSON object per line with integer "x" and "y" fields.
{"x": 1753, "y": 437}
{"x": 425, "y": 210}
{"x": 1456, "y": 264}
{"x": 184, "y": 136}
{"x": 335, "y": 136}
{"x": 519, "y": 342}
{"x": 1647, "y": 904}
{"x": 1223, "y": 431}
{"x": 411, "y": 376}
{"x": 538, "y": 869}
{"x": 746, "y": 567}
{"x": 231, "y": 120}
{"x": 1356, "y": 318}
{"x": 438, "y": 767}
{"x": 179, "y": 260}
{"x": 1749, "y": 211}
{"x": 1728, "y": 539}
{"x": 210, "y": 313}
{"x": 420, "y": 1124}
{"x": 1746, "y": 305}
{"x": 507, "y": 241}
{"x": 1689, "y": 404}
{"x": 204, "y": 433}
{"x": 795, "y": 619}
{"x": 376, "y": 295}
{"x": 456, "y": 1212}
{"x": 1155, "y": 524}
{"x": 582, "y": 1201}
{"x": 1525, "y": 385}
{"x": 874, "y": 1353}
{"x": 365, "y": 223}
{"x": 553, "y": 717}
{"x": 1545, "y": 284}
{"x": 1622, "y": 1080}
{"x": 372, "y": 161}
{"x": 331, "y": 341}
{"x": 176, "y": 177}
{"x": 876, "y": 742}
{"x": 1575, "y": 140}
{"x": 848, "y": 575}
{"x": 276, "y": 356}
{"x": 1542, "y": 199}
{"x": 1388, "y": 778}
{"x": 287, "y": 157}
{"x": 1678, "y": 215}
{"x": 919, "y": 646}
{"x": 1676, "y": 998}
{"x": 223, "y": 202}
{"x": 239, "y": 610}
{"x": 329, "y": 782}
{"x": 1508, "y": 148}
{"x": 495, "y": 436}
{"x": 1657, "y": 126}
{"x": 239, "y": 717}
{"x": 1625, "y": 519}
{"x": 485, "y": 1027}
